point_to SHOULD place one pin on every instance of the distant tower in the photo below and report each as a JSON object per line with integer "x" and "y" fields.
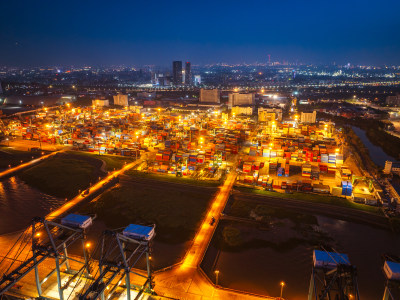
{"x": 177, "y": 72}
{"x": 269, "y": 59}
{"x": 388, "y": 167}
{"x": 188, "y": 73}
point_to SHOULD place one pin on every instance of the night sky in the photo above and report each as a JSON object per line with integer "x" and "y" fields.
{"x": 143, "y": 32}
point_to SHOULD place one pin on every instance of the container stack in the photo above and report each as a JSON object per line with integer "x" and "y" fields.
{"x": 306, "y": 170}
{"x": 347, "y": 188}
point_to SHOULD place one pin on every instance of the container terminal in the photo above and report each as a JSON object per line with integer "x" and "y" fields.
{"x": 262, "y": 151}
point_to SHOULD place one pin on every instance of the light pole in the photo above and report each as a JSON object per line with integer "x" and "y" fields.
{"x": 282, "y": 285}
{"x": 216, "y": 276}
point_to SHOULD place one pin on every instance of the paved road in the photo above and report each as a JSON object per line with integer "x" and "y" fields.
{"x": 186, "y": 280}
{"x": 93, "y": 189}
{"x": 9, "y": 172}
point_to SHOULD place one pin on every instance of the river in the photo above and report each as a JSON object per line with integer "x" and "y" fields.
{"x": 378, "y": 156}
{"x": 376, "y": 153}
{"x": 261, "y": 269}
{"x": 19, "y": 203}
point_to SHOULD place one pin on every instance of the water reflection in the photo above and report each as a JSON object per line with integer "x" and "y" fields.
{"x": 260, "y": 269}
{"x": 19, "y": 203}
{"x": 377, "y": 155}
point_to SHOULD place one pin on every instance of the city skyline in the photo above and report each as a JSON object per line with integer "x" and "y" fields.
{"x": 200, "y": 150}
{"x": 91, "y": 33}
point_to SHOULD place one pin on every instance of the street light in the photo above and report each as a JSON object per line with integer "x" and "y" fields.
{"x": 216, "y": 276}
{"x": 282, "y": 285}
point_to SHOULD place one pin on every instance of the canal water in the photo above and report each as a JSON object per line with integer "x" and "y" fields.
{"x": 19, "y": 203}
{"x": 261, "y": 269}
{"x": 376, "y": 153}
{"x": 378, "y": 156}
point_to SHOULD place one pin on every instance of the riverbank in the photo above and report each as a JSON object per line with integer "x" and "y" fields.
{"x": 257, "y": 245}
{"x": 112, "y": 162}
{"x": 313, "y": 198}
{"x": 174, "y": 179}
{"x": 374, "y": 129}
{"x": 359, "y": 152}
{"x": 63, "y": 175}
{"x": 10, "y": 157}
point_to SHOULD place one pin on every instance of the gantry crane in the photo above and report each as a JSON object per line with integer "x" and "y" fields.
{"x": 333, "y": 277}
{"x": 118, "y": 254}
{"x": 391, "y": 269}
{"x": 44, "y": 240}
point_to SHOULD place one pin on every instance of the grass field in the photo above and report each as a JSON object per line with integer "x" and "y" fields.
{"x": 61, "y": 176}
{"x": 314, "y": 198}
{"x": 112, "y": 162}
{"x": 176, "y": 212}
{"x": 10, "y": 156}
{"x": 173, "y": 178}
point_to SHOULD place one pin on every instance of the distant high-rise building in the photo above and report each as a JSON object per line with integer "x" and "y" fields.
{"x": 121, "y": 100}
{"x": 210, "y": 96}
{"x": 188, "y": 73}
{"x": 197, "y": 80}
{"x": 177, "y": 72}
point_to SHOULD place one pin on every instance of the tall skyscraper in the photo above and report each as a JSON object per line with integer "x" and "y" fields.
{"x": 188, "y": 73}
{"x": 177, "y": 72}
{"x": 197, "y": 80}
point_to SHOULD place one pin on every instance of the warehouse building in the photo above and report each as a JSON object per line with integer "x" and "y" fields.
{"x": 241, "y": 99}
{"x": 308, "y": 117}
{"x": 269, "y": 114}
{"x": 121, "y": 100}
{"x": 210, "y": 96}
{"x": 242, "y": 110}
{"x": 100, "y": 102}
{"x": 393, "y": 100}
